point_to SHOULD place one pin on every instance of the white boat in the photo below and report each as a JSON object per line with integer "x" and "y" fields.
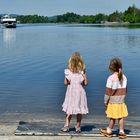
{"x": 8, "y": 21}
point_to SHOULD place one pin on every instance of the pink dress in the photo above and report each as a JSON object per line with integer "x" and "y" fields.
{"x": 75, "y": 99}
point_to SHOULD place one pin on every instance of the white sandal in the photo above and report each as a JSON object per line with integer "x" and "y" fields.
{"x": 77, "y": 129}
{"x": 65, "y": 129}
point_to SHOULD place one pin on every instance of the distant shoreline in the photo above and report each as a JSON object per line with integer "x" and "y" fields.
{"x": 107, "y": 24}
{"x": 130, "y": 15}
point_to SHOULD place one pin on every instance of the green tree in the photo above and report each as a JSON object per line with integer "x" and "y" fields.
{"x": 101, "y": 18}
{"x": 115, "y": 17}
{"x": 87, "y": 19}
{"x": 32, "y": 19}
{"x": 132, "y": 14}
{"x": 68, "y": 18}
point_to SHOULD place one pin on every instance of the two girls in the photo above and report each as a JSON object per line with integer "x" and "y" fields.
{"x": 76, "y": 102}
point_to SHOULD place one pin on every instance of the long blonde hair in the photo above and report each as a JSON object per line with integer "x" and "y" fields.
{"x": 76, "y": 63}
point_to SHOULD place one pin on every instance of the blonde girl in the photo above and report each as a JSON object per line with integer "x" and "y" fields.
{"x": 75, "y": 102}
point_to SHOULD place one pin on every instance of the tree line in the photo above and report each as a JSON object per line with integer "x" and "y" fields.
{"x": 131, "y": 15}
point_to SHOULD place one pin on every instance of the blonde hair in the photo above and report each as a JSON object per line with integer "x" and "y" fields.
{"x": 76, "y": 63}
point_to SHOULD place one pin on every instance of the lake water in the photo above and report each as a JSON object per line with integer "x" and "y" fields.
{"x": 33, "y": 59}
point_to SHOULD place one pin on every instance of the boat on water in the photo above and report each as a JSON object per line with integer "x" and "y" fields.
{"x": 8, "y": 21}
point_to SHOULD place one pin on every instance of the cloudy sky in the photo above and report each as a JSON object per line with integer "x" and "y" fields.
{"x": 56, "y": 7}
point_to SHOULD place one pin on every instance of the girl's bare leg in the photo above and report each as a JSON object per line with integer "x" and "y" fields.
{"x": 122, "y": 134}
{"x": 68, "y": 119}
{"x": 79, "y": 118}
{"x": 111, "y": 125}
{"x": 121, "y": 124}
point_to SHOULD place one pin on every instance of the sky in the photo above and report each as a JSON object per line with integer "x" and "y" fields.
{"x": 58, "y": 7}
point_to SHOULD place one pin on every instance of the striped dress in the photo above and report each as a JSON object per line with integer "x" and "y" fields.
{"x": 115, "y": 97}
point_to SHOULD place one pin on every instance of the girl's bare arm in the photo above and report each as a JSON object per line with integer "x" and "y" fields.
{"x": 66, "y": 81}
{"x": 85, "y": 82}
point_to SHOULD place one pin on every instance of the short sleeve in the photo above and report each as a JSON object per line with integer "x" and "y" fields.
{"x": 109, "y": 83}
{"x": 67, "y": 74}
{"x": 124, "y": 83}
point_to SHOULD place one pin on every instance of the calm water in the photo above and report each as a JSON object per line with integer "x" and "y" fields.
{"x": 33, "y": 59}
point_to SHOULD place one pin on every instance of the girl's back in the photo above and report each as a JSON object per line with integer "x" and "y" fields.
{"x": 74, "y": 78}
{"x": 75, "y": 100}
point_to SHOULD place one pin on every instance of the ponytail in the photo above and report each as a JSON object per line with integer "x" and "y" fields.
{"x": 120, "y": 74}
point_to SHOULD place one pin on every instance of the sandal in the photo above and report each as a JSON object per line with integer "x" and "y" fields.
{"x": 104, "y": 132}
{"x": 122, "y": 136}
{"x": 65, "y": 129}
{"x": 77, "y": 129}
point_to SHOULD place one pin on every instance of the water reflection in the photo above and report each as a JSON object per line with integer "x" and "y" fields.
{"x": 9, "y": 37}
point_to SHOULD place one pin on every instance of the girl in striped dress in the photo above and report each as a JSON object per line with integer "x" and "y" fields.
{"x": 116, "y": 109}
